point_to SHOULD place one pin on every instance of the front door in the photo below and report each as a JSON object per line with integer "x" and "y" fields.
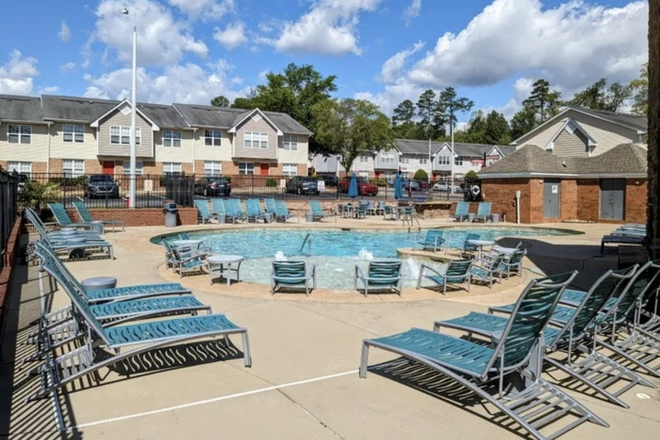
{"x": 109, "y": 167}
{"x": 551, "y": 197}
{"x": 264, "y": 169}
{"x": 612, "y": 199}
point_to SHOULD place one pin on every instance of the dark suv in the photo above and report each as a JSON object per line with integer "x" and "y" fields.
{"x": 102, "y": 185}
{"x": 302, "y": 185}
{"x": 213, "y": 186}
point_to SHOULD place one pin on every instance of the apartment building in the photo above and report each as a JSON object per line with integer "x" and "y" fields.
{"x": 81, "y": 136}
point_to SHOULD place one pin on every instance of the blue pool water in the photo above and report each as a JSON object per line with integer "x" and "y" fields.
{"x": 335, "y": 252}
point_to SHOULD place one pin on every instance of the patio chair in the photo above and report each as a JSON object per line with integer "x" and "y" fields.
{"x": 433, "y": 240}
{"x": 380, "y": 275}
{"x": 317, "y": 211}
{"x": 389, "y": 212}
{"x": 483, "y": 211}
{"x": 63, "y": 219}
{"x": 270, "y": 206}
{"x": 289, "y": 274}
{"x": 461, "y": 212}
{"x": 408, "y": 215}
{"x": 231, "y": 211}
{"x": 281, "y": 211}
{"x": 463, "y": 246}
{"x": 487, "y": 269}
{"x": 219, "y": 209}
{"x": 512, "y": 362}
{"x": 512, "y": 264}
{"x": 570, "y": 333}
{"x": 86, "y": 216}
{"x": 362, "y": 210}
{"x": 457, "y": 272}
{"x": 135, "y": 339}
{"x": 205, "y": 214}
{"x": 380, "y": 209}
{"x": 185, "y": 262}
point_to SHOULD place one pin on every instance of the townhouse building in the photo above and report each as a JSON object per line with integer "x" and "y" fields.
{"x": 80, "y": 136}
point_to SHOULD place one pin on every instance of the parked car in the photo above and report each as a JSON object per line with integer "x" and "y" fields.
{"x": 410, "y": 185}
{"x": 423, "y": 184}
{"x": 213, "y": 186}
{"x": 330, "y": 181}
{"x": 365, "y": 188}
{"x": 446, "y": 187}
{"x": 302, "y": 185}
{"x": 102, "y": 185}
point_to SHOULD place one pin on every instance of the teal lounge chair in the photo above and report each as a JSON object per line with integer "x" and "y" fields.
{"x": 238, "y": 208}
{"x": 86, "y": 216}
{"x": 463, "y": 246}
{"x": 254, "y": 212}
{"x": 457, "y": 272}
{"x": 57, "y": 235}
{"x": 63, "y": 219}
{"x": 433, "y": 240}
{"x": 487, "y": 269}
{"x": 317, "y": 211}
{"x": 124, "y": 341}
{"x": 483, "y": 211}
{"x": 461, "y": 212}
{"x": 205, "y": 214}
{"x": 290, "y": 274}
{"x": 185, "y": 262}
{"x": 281, "y": 211}
{"x": 381, "y": 275}
{"x": 232, "y": 211}
{"x": 270, "y": 206}
{"x": 219, "y": 209}
{"x": 506, "y": 374}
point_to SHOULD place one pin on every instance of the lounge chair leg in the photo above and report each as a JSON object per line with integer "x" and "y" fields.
{"x": 364, "y": 362}
{"x": 247, "y": 357}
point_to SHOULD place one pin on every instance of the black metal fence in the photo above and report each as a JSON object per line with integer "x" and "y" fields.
{"x": 153, "y": 190}
{"x": 8, "y": 208}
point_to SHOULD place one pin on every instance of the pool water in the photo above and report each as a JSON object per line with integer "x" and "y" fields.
{"x": 334, "y": 252}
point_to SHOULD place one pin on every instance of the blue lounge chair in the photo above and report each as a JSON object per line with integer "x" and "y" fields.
{"x": 281, "y": 211}
{"x": 58, "y": 235}
{"x": 232, "y": 211}
{"x": 483, "y": 212}
{"x": 63, "y": 219}
{"x": 289, "y": 274}
{"x": 513, "y": 358}
{"x": 270, "y": 206}
{"x": 238, "y": 208}
{"x": 135, "y": 339}
{"x": 205, "y": 214}
{"x": 457, "y": 272}
{"x": 408, "y": 215}
{"x": 185, "y": 261}
{"x": 317, "y": 211}
{"x": 461, "y": 212}
{"x": 433, "y": 240}
{"x": 254, "y": 212}
{"x": 86, "y": 216}
{"x": 380, "y": 275}
{"x": 219, "y": 209}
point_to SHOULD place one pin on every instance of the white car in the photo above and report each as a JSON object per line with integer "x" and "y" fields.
{"x": 446, "y": 187}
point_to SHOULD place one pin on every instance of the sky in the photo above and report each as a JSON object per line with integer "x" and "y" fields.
{"x": 384, "y": 51}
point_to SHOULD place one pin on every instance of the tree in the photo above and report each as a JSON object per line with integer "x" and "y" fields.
{"x": 403, "y": 121}
{"x": 450, "y": 104}
{"x": 421, "y": 175}
{"x": 349, "y": 127}
{"x": 431, "y": 121}
{"x": 640, "y": 91}
{"x": 476, "y": 129}
{"x": 497, "y": 129}
{"x": 523, "y": 122}
{"x": 598, "y": 97}
{"x": 220, "y": 101}
{"x": 543, "y": 100}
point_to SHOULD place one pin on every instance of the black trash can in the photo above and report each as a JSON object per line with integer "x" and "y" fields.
{"x": 171, "y": 211}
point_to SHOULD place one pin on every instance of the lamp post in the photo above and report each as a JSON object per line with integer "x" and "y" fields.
{"x": 451, "y": 162}
{"x": 131, "y": 188}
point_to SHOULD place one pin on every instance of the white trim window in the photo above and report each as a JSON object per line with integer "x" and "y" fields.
{"x": 20, "y": 167}
{"x": 73, "y": 167}
{"x": 290, "y": 169}
{"x": 139, "y": 167}
{"x": 73, "y": 133}
{"x": 172, "y": 138}
{"x": 212, "y": 138}
{"x": 245, "y": 168}
{"x": 254, "y": 139}
{"x": 364, "y": 159}
{"x": 290, "y": 142}
{"x": 443, "y": 160}
{"x": 363, "y": 174}
{"x": 458, "y": 161}
{"x": 122, "y": 135}
{"x": 404, "y": 160}
{"x": 172, "y": 168}
{"x": 387, "y": 158}
{"x": 212, "y": 168}
{"x": 423, "y": 161}
{"x": 19, "y": 134}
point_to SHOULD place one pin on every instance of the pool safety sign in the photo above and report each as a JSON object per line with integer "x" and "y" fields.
{"x": 555, "y": 189}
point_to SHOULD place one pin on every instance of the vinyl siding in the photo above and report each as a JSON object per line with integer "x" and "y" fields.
{"x": 182, "y": 154}
{"x": 35, "y": 151}
{"x": 297, "y": 156}
{"x": 72, "y": 150}
{"x": 105, "y": 148}
{"x": 571, "y": 145}
{"x": 542, "y": 138}
{"x": 208, "y": 152}
{"x": 606, "y": 135}
{"x": 382, "y": 165}
{"x": 260, "y": 126}
{"x": 368, "y": 166}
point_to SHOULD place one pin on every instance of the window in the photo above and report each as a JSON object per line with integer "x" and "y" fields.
{"x": 171, "y": 138}
{"x": 458, "y": 161}
{"x": 387, "y": 158}
{"x": 364, "y": 159}
{"x": 290, "y": 142}
{"x": 443, "y": 160}
{"x": 19, "y": 134}
{"x": 423, "y": 161}
{"x": 212, "y": 168}
{"x": 245, "y": 168}
{"x": 253, "y": 139}
{"x": 122, "y": 135}
{"x": 290, "y": 169}
{"x": 171, "y": 168}
{"x": 405, "y": 160}
{"x": 213, "y": 138}
{"x": 138, "y": 168}
{"x": 364, "y": 174}
{"x": 73, "y": 133}
{"x": 73, "y": 168}
{"x": 20, "y": 167}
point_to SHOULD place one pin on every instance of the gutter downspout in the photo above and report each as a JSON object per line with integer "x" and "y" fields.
{"x": 193, "y": 149}
{"x": 48, "y": 154}
{"x": 518, "y": 193}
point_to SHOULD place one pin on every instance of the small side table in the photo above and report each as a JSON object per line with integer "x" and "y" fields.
{"x": 97, "y": 226}
{"x": 99, "y": 283}
{"x": 480, "y": 245}
{"x": 222, "y": 265}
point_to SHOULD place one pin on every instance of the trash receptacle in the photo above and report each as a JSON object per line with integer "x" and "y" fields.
{"x": 309, "y": 217}
{"x": 495, "y": 218}
{"x": 222, "y": 218}
{"x": 171, "y": 211}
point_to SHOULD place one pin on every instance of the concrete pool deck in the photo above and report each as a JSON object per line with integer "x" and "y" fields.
{"x": 303, "y": 383}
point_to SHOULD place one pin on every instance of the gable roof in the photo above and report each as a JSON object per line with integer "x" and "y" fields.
{"x": 417, "y": 147}
{"x": 20, "y": 109}
{"x": 244, "y": 116}
{"x": 125, "y": 102}
{"x": 75, "y": 109}
{"x": 164, "y": 116}
{"x": 530, "y": 161}
{"x": 567, "y": 126}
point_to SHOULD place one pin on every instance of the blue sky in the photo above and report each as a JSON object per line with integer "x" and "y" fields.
{"x": 382, "y": 50}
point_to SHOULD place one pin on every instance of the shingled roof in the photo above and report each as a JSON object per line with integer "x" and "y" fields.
{"x": 633, "y": 121}
{"x": 20, "y": 109}
{"x": 530, "y": 160}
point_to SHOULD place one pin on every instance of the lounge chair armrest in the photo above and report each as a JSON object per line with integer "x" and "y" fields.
{"x": 496, "y": 337}
{"x": 425, "y": 267}
{"x": 311, "y": 270}
{"x": 359, "y": 273}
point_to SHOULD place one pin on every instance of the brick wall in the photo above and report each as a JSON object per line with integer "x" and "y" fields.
{"x": 502, "y": 193}
{"x": 7, "y": 271}
{"x": 37, "y": 167}
{"x": 636, "y": 200}
{"x": 588, "y": 195}
{"x": 139, "y": 216}
{"x": 569, "y": 200}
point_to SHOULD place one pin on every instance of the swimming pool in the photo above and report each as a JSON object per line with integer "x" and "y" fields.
{"x": 335, "y": 252}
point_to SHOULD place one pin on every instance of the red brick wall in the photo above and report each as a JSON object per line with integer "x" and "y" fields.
{"x": 588, "y": 196}
{"x": 502, "y": 193}
{"x": 37, "y": 167}
{"x": 139, "y": 216}
{"x": 7, "y": 271}
{"x": 636, "y": 200}
{"x": 569, "y": 200}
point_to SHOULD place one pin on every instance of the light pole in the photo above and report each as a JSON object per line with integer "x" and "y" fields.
{"x": 451, "y": 162}
{"x": 131, "y": 188}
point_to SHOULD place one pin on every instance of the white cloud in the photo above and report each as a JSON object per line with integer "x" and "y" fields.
{"x": 232, "y": 36}
{"x": 572, "y": 45}
{"x": 262, "y": 75}
{"x": 204, "y": 9}
{"x": 186, "y": 83}
{"x": 412, "y": 11}
{"x": 68, "y": 66}
{"x": 393, "y": 95}
{"x": 17, "y": 75}
{"x": 329, "y": 28}
{"x": 65, "y": 32}
{"x": 391, "y": 69}
{"x": 162, "y": 40}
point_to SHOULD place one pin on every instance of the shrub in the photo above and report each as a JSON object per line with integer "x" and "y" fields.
{"x": 379, "y": 182}
{"x": 36, "y": 195}
{"x": 69, "y": 181}
{"x": 271, "y": 183}
{"x": 421, "y": 175}
{"x": 471, "y": 175}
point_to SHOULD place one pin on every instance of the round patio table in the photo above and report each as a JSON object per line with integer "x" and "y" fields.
{"x": 99, "y": 283}
{"x": 223, "y": 265}
{"x": 480, "y": 245}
